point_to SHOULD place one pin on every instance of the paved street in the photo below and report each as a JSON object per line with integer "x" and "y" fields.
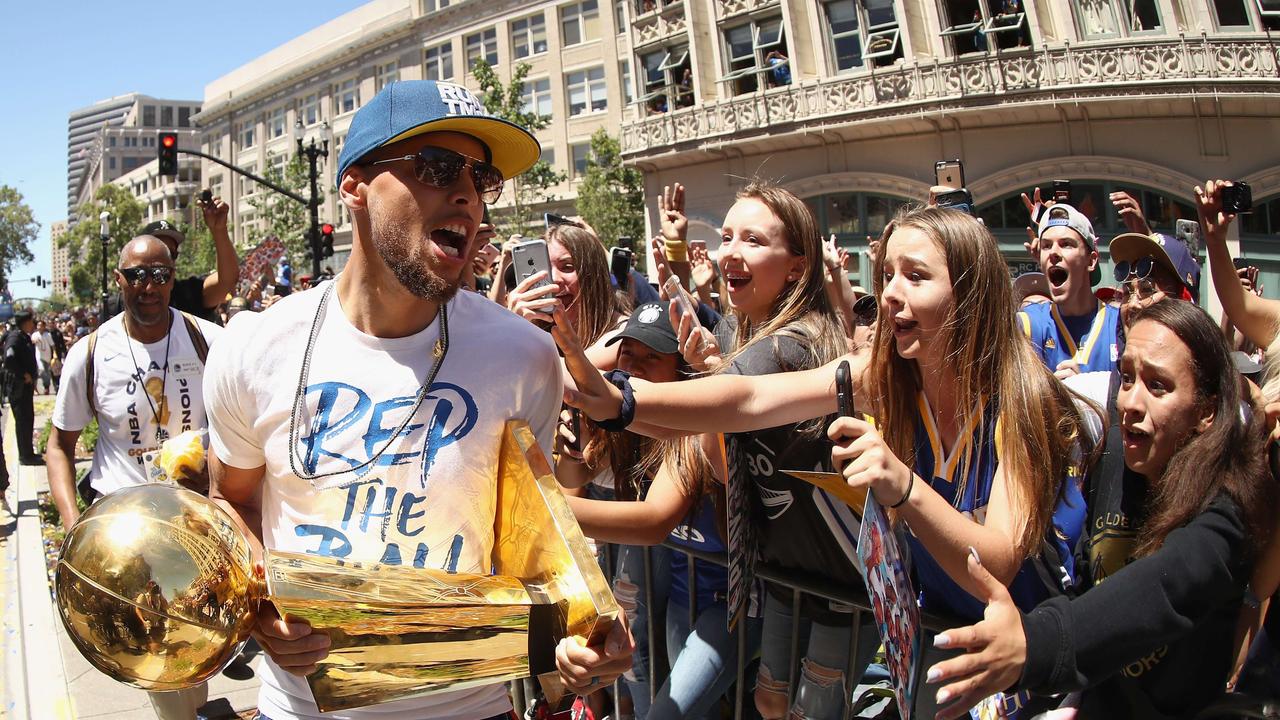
{"x": 44, "y": 676}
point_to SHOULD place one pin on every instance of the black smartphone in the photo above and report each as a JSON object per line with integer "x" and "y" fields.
{"x": 206, "y": 197}
{"x": 961, "y": 200}
{"x": 1240, "y": 263}
{"x": 949, "y": 173}
{"x": 620, "y": 266}
{"x": 1236, "y": 197}
{"x": 575, "y": 427}
{"x": 844, "y": 389}
{"x": 550, "y": 220}
{"x": 1062, "y": 191}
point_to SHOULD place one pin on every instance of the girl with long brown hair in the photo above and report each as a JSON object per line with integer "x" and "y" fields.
{"x": 1191, "y": 505}
{"x": 976, "y": 444}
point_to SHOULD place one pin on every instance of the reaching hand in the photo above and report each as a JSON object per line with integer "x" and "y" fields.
{"x": 294, "y": 645}
{"x": 585, "y": 669}
{"x": 702, "y": 270}
{"x": 1213, "y": 219}
{"x": 1035, "y": 205}
{"x": 1032, "y": 244}
{"x": 657, "y": 251}
{"x": 697, "y": 344}
{"x": 594, "y": 395}
{"x": 534, "y": 303}
{"x": 675, "y": 226}
{"x": 1130, "y": 213}
{"x": 866, "y": 460}
{"x": 215, "y": 214}
{"x": 566, "y": 438}
{"x": 830, "y": 253}
{"x": 995, "y": 649}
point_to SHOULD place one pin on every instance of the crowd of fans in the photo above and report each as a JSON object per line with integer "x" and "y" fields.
{"x": 1031, "y": 438}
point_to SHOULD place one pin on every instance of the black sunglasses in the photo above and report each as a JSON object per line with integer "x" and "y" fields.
{"x": 135, "y": 276}
{"x": 1136, "y": 270}
{"x": 440, "y": 167}
{"x": 864, "y": 310}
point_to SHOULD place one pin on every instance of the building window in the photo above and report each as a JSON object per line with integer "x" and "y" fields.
{"x": 548, "y": 155}
{"x": 1231, "y": 13}
{"x": 862, "y": 32}
{"x": 1101, "y": 19}
{"x": 276, "y": 124}
{"x": 483, "y": 44}
{"x": 111, "y": 142}
{"x": 148, "y": 116}
{"x": 433, "y": 5}
{"x": 587, "y": 91}
{"x": 347, "y": 98}
{"x": 309, "y": 110}
{"x": 438, "y": 62}
{"x": 580, "y": 153}
{"x": 756, "y": 49}
{"x": 166, "y": 116}
{"x": 111, "y": 162}
{"x": 982, "y": 25}
{"x": 247, "y": 139}
{"x": 529, "y": 36}
{"x": 619, "y": 16}
{"x": 247, "y": 185}
{"x": 385, "y": 75}
{"x": 184, "y": 117}
{"x": 579, "y": 22}
{"x": 215, "y": 185}
{"x": 624, "y": 69}
{"x": 537, "y": 96}
{"x": 668, "y": 77}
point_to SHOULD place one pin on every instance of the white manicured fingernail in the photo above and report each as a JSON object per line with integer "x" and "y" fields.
{"x": 934, "y": 674}
{"x": 943, "y": 697}
{"x": 941, "y": 640}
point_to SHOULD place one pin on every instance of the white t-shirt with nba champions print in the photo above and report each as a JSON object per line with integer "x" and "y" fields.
{"x": 132, "y": 386}
{"x": 428, "y": 501}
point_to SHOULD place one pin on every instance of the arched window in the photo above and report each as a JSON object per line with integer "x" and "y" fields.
{"x": 1093, "y": 198}
{"x": 852, "y": 217}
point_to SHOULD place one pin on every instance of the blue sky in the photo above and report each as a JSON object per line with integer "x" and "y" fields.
{"x": 62, "y": 55}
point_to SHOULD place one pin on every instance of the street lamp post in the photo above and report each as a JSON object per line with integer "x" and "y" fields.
{"x": 313, "y": 153}
{"x": 104, "y": 233}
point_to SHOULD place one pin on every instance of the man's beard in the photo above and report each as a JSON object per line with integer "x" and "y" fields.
{"x": 415, "y": 274}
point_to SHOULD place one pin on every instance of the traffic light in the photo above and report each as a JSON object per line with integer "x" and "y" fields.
{"x": 326, "y": 240}
{"x": 168, "y": 148}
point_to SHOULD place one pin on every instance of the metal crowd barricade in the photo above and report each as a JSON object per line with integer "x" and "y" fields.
{"x": 800, "y": 583}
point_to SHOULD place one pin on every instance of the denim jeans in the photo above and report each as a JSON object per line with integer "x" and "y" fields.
{"x": 821, "y": 693}
{"x": 629, "y": 588}
{"x": 704, "y": 660}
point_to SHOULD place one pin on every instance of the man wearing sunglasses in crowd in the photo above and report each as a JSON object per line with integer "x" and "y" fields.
{"x": 140, "y": 375}
{"x": 201, "y": 295}
{"x": 324, "y": 437}
{"x": 1074, "y": 332}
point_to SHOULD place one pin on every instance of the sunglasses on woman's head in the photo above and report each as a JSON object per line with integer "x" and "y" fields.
{"x": 1142, "y": 288}
{"x": 159, "y": 275}
{"x": 1136, "y": 270}
{"x": 440, "y": 167}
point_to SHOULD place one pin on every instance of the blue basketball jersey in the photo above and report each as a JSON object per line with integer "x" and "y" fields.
{"x": 1098, "y": 350}
{"x": 964, "y": 479}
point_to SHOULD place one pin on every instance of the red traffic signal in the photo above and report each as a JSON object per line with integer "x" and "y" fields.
{"x": 168, "y": 157}
{"x": 326, "y": 240}
{"x": 326, "y": 229}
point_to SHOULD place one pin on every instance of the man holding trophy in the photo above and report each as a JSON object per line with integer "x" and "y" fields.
{"x": 361, "y": 420}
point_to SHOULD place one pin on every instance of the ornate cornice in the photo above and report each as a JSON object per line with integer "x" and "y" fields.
{"x": 1218, "y": 66}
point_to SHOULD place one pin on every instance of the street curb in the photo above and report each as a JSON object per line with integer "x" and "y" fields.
{"x": 47, "y": 693}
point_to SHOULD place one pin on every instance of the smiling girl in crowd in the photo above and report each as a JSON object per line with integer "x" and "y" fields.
{"x": 1154, "y": 640}
{"x": 977, "y": 445}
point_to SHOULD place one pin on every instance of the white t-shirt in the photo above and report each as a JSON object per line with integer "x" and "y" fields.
{"x": 129, "y": 379}
{"x": 432, "y": 509}
{"x": 44, "y": 346}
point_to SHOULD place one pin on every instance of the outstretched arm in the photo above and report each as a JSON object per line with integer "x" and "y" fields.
{"x": 1254, "y": 315}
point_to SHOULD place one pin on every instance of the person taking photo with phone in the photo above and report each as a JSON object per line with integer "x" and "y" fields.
{"x": 201, "y": 295}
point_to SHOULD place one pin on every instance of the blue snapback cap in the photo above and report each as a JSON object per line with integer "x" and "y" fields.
{"x": 1167, "y": 250}
{"x": 411, "y": 107}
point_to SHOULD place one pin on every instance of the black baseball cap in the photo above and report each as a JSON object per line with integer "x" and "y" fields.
{"x": 651, "y": 325}
{"x": 164, "y": 229}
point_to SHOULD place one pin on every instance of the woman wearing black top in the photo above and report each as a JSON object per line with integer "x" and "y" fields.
{"x": 1189, "y": 513}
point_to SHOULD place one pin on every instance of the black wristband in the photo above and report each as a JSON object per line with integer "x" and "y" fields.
{"x": 622, "y": 380}
{"x": 907, "y": 496}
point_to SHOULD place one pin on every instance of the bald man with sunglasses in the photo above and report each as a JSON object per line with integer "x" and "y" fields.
{"x": 139, "y": 375}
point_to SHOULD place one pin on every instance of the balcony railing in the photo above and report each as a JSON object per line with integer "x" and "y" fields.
{"x": 1151, "y": 67}
{"x": 659, "y": 24}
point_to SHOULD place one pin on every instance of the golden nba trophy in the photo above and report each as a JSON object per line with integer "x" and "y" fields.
{"x": 156, "y": 588}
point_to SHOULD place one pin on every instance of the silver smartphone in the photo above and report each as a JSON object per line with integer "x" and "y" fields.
{"x": 949, "y": 173}
{"x": 676, "y": 290}
{"x": 1188, "y": 231}
{"x": 529, "y": 257}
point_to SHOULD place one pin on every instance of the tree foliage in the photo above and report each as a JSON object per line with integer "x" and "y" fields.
{"x": 532, "y": 187}
{"x": 18, "y": 229}
{"x": 84, "y": 244}
{"x": 283, "y": 217}
{"x": 611, "y": 197}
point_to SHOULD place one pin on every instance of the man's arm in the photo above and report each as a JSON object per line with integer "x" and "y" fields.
{"x": 221, "y": 281}
{"x": 61, "y": 467}
{"x": 236, "y": 490}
